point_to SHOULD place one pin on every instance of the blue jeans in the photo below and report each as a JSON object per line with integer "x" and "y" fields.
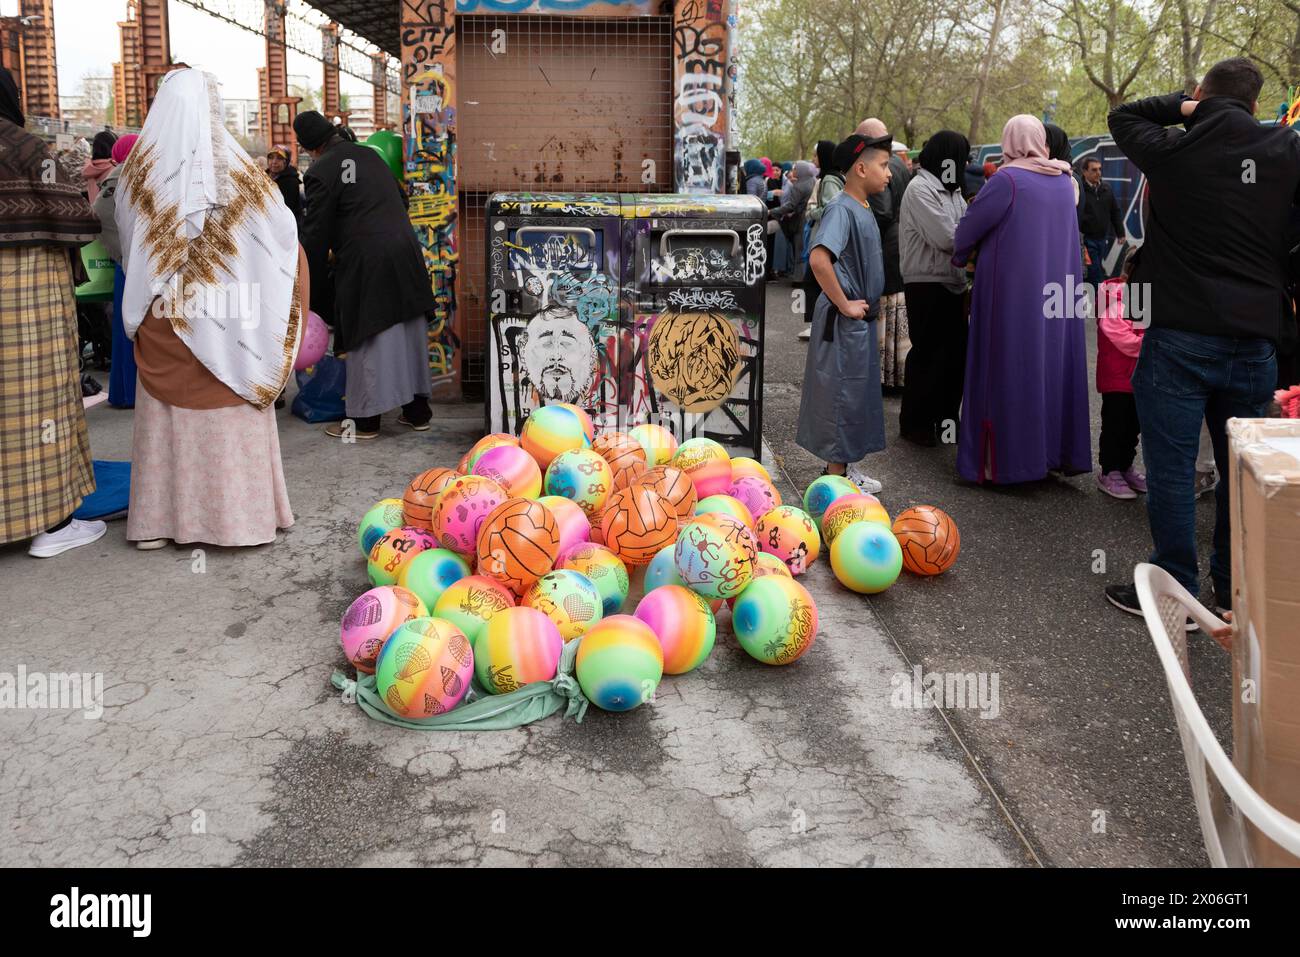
{"x": 1097, "y": 249}
{"x": 1182, "y": 378}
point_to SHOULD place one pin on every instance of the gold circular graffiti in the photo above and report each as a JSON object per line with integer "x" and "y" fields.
{"x": 694, "y": 359}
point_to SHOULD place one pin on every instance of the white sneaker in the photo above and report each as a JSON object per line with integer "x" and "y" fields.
{"x": 73, "y": 535}
{"x": 805, "y": 333}
{"x": 862, "y": 480}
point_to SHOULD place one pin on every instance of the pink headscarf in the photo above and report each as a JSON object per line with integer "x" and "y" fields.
{"x": 94, "y": 172}
{"x": 122, "y": 148}
{"x": 767, "y": 166}
{"x": 1024, "y": 145}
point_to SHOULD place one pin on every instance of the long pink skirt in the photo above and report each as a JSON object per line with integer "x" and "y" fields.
{"x": 206, "y": 475}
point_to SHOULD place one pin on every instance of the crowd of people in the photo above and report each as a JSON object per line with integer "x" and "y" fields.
{"x": 996, "y": 351}
{"x": 925, "y": 273}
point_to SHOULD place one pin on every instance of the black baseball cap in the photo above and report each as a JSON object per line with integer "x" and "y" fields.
{"x": 848, "y": 152}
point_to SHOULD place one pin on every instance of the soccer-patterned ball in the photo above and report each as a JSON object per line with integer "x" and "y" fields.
{"x": 518, "y": 543}
{"x": 638, "y": 522}
{"x": 929, "y": 539}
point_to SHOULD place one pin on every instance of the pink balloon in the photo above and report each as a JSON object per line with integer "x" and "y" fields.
{"x": 314, "y": 342}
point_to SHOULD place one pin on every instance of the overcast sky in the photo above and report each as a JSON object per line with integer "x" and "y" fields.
{"x": 86, "y": 37}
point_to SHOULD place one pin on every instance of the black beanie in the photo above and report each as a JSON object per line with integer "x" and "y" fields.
{"x": 312, "y": 129}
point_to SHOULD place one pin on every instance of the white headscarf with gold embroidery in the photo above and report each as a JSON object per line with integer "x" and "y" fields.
{"x": 208, "y": 242}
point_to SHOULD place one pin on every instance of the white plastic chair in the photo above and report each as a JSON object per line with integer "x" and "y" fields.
{"x": 1165, "y": 606}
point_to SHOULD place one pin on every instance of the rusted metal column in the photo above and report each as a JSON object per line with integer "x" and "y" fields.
{"x": 283, "y": 107}
{"x": 155, "y": 46}
{"x": 40, "y": 89}
{"x": 331, "y": 100}
{"x": 379, "y": 89}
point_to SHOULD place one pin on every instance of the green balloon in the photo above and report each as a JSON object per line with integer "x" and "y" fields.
{"x": 388, "y": 145}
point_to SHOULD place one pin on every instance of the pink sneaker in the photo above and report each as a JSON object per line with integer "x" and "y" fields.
{"x": 1113, "y": 484}
{"x": 1135, "y": 479}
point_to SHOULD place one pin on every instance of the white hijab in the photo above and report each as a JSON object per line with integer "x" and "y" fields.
{"x": 206, "y": 234}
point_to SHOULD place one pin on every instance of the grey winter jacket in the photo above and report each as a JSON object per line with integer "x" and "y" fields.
{"x": 927, "y": 223}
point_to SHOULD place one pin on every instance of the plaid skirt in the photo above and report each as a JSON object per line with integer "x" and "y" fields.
{"x": 45, "y": 468}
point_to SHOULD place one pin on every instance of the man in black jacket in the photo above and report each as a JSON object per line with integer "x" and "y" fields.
{"x": 1098, "y": 217}
{"x": 356, "y": 230}
{"x": 1213, "y": 267}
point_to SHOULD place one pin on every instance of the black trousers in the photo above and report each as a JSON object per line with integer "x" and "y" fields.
{"x": 417, "y": 412}
{"x": 936, "y": 366}
{"x": 1117, "y": 445}
{"x": 811, "y": 290}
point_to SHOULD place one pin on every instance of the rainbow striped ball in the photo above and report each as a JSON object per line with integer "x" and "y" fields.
{"x": 424, "y": 669}
{"x": 619, "y": 663}
{"x": 843, "y": 512}
{"x": 662, "y": 570}
{"x": 824, "y": 490}
{"x": 513, "y": 469}
{"x": 372, "y": 618}
{"x": 461, "y": 509}
{"x": 588, "y": 427}
{"x": 430, "y": 573}
{"x": 660, "y": 445}
{"x": 570, "y": 519}
{"x": 472, "y": 602}
{"x": 715, "y": 557}
{"x": 742, "y": 467}
{"x": 866, "y": 557}
{"x": 683, "y": 623}
{"x": 394, "y": 550}
{"x": 756, "y": 494}
{"x": 791, "y": 535}
{"x": 568, "y": 598}
{"x": 604, "y": 569}
{"x": 494, "y": 441}
{"x": 384, "y": 516}
{"x": 707, "y": 464}
{"x": 551, "y": 430}
{"x": 775, "y": 620}
{"x": 726, "y": 505}
{"x": 518, "y": 646}
{"x": 583, "y": 477}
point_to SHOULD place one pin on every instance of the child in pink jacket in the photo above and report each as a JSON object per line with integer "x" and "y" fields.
{"x": 1118, "y": 345}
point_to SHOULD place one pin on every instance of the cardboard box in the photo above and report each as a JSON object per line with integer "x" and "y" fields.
{"x": 1265, "y": 494}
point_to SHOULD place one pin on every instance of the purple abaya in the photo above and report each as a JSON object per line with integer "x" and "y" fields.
{"x": 1025, "y": 406}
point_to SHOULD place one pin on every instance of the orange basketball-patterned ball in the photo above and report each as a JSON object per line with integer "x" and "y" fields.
{"x": 929, "y": 539}
{"x": 517, "y": 543}
{"x": 675, "y": 486}
{"x": 638, "y": 521}
{"x": 421, "y": 495}
{"x": 624, "y": 454}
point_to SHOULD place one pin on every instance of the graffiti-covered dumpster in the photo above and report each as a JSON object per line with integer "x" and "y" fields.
{"x": 639, "y": 308}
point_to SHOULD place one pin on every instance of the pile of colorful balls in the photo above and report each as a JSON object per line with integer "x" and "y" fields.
{"x": 482, "y": 573}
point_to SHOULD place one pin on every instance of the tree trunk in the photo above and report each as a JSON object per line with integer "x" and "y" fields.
{"x": 977, "y": 101}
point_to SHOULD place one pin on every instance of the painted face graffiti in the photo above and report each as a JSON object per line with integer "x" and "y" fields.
{"x": 559, "y": 355}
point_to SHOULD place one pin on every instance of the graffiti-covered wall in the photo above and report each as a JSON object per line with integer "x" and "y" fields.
{"x": 692, "y": 125}
{"x": 639, "y": 309}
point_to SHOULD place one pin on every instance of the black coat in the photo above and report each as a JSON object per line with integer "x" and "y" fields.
{"x": 1215, "y": 249}
{"x": 1098, "y": 211}
{"x": 887, "y": 205}
{"x": 289, "y": 182}
{"x": 358, "y": 212}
